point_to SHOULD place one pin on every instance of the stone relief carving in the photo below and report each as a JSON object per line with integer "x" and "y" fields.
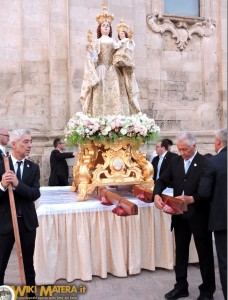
{"x": 181, "y": 29}
{"x": 12, "y": 91}
{"x": 15, "y": 94}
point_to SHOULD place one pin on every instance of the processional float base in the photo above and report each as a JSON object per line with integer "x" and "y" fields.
{"x": 110, "y": 163}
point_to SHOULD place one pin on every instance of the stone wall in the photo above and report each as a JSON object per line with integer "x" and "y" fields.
{"x": 42, "y": 54}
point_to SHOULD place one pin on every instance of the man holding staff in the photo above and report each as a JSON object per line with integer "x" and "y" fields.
{"x": 24, "y": 177}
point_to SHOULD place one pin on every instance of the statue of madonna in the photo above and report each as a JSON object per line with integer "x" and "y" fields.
{"x": 108, "y": 88}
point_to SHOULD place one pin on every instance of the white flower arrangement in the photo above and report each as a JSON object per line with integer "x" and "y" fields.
{"x": 81, "y": 128}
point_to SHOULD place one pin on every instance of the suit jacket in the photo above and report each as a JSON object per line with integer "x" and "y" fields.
{"x": 27, "y": 191}
{"x": 166, "y": 161}
{"x": 59, "y": 168}
{"x": 1, "y": 154}
{"x": 213, "y": 184}
{"x": 198, "y": 213}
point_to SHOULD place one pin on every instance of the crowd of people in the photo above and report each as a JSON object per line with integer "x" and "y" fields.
{"x": 198, "y": 180}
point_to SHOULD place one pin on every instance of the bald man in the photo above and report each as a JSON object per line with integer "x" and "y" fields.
{"x": 4, "y": 139}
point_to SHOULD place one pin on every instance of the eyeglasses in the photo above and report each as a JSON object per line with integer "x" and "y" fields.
{"x": 4, "y": 135}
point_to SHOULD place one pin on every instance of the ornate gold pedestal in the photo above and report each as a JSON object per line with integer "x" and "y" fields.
{"x": 118, "y": 163}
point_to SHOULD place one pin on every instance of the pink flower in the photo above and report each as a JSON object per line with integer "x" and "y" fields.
{"x": 113, "y": 125}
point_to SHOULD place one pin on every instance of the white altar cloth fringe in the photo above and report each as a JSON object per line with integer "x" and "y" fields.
{"x": 76, "y": 240}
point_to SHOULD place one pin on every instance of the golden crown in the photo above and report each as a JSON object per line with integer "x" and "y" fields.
{"x": 122, "y": 26}
{"x": 104, "y": 16}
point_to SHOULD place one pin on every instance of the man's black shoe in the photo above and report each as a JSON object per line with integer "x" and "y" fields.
{"x": 177, "y": 293}
{"x": 201, "y": 297}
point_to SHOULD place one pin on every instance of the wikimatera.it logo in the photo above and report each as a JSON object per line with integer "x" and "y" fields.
{"x": 6, "y": 293}
{"x": 60, "y": 292}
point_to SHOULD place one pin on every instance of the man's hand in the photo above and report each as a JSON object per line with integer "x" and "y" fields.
{"x": 158, "y": 201}
{"x": 89, "y": 48}
{"x": 9, "y": 177}
{"x": 75, "y": 153}
{"x": 186, "y": 199}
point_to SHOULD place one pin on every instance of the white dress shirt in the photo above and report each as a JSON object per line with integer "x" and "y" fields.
{"x": 15, "y": 166}
{"x": 161, "y": 157}
{"x": 3, "y": 149}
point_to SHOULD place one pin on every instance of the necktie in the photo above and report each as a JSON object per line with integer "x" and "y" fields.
{"x": 186, "y": 165}
{"x": 18, "y": 205}
{"x": 19, "y": 170}
{"x": 159, "y": 166}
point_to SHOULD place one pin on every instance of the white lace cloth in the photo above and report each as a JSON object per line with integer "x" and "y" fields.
{"x": 76, "y": 240}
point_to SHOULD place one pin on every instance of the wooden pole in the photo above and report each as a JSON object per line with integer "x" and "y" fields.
{"x": 15, "y": 225}
{"x": 128, "y": 206}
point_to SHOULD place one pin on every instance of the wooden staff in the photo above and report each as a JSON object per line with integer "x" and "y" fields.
{"x": 15, "y": 225}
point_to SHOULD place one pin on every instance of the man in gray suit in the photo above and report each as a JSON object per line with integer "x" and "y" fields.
{"x": 213, "y": 184}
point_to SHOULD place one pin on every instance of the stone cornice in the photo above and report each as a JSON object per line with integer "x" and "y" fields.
{"x": 181, "y": 28}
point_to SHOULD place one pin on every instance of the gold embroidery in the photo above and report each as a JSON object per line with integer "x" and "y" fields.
{"x": 107, "y": 89}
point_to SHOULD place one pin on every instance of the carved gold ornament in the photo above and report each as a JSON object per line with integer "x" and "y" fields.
{"x": 118, "y": 163}
{"x": 90, "y": 36}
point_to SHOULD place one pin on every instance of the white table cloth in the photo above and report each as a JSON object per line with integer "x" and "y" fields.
{"x": 76, "y": 240}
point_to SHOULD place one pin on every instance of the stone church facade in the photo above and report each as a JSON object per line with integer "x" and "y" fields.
{"x": 181, "y": 66}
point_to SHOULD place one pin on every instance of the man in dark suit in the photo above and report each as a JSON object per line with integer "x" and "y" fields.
{"x": 185, "y": 172}
{"x": 170, "y": 144}
{"x": 24, "y": 176}
{"x": 4, "y": 139}
{"x": 59, "y": 168}
{"x": 213, "y": 185}
{"x": 163, "y": 158}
